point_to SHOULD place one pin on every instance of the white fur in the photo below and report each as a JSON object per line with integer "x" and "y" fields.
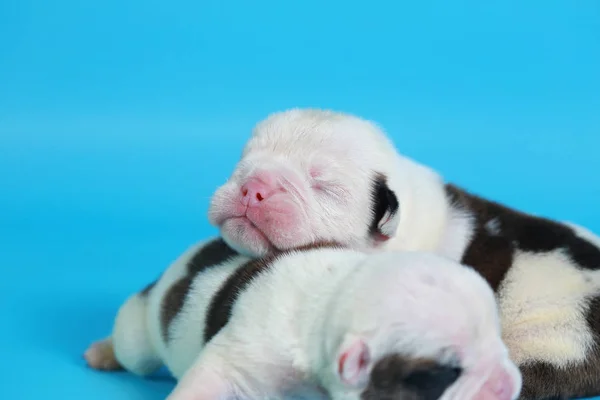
{"x": 134, "y": 348}
{"x": 457, "y": 235}
{"x": 543, "y": 301}
{"x": 347, "y": 151}
{"x": 188, "y": 325}
{"x": 288, "y": 326}
{"x": 137, "y": 337}
{"x": 544, "y": 298}
{"x": 173, "y": 273}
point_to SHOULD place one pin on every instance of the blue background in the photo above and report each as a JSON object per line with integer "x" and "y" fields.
{"x": 118, "y": 120}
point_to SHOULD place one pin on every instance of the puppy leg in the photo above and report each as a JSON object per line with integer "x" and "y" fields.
{"x": 208, "y": 379}
{"x": 129, "y": 346}
{"x": 101, "y": 355}
{"x": 221, "y": 372}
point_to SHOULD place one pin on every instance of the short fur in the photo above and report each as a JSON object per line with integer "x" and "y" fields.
{"x": 320, "y": 176}
{"x": 397, "y": 377}
{"x": 213, "y": 253}
{"x": 320, "y": 323}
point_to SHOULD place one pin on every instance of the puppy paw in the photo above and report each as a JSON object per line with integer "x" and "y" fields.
{"x": 101, "y": 355}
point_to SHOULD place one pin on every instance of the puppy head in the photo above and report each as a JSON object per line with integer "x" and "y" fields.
{"x": 310, "y": 175}
{"x": 416, "y": 326}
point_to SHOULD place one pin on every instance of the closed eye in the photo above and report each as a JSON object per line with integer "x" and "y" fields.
{"x": 321, "y": 182}
{"x": 318, "y": 185}
{"x": 316, "y": 179}
{"x": 331, "y": 189}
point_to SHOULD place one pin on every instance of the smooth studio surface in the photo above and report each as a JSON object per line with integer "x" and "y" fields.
{"x": 119, "y": 119}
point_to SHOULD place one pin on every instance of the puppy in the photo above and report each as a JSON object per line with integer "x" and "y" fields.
{"x": 318, "y": 322}
{"x": 309, "y": 175}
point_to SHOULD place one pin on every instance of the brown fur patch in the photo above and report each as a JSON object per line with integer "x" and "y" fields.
{"x": 397, "y": 377}
{"x": 517, "y": 230}
{"x": 172, "y": 303}
{"x": 211, "y": 254}
{"x": 219, "y": 311}
{"x": 491, "y": 253}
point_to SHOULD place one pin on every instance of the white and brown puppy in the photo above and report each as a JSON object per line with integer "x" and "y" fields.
{"x": 308, "y": 175}
{"x": 316, "y": 323}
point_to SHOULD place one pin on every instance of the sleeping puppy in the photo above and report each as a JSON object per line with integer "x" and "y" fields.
{"x": 320, "y": 322}
{"x": 308, "y": 175}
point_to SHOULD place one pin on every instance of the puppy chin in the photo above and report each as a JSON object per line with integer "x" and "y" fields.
{"x": 224, "y": 205}
{"x": 241, "y": 235}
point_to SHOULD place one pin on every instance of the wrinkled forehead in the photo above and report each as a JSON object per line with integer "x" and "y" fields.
{"x": 309, "y": 134}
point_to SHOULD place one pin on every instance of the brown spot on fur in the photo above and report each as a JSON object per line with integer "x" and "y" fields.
{"x": 491, "y": 254}
{"x": 219, "y": 311}
{"x": 172, "y": 303}
{"x": 578, "y": 380}
{"x": 398, "y": 377}
{"x": 542, "y": 381}
{"x": 214, "y": 253}
{"x": 211, "y": 254}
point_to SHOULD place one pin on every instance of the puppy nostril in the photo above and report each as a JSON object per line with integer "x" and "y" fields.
{"x": 245, "y": 192}
{"x": 259, "y": 197}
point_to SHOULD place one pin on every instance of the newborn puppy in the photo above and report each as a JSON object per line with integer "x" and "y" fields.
{"x": 308, "y": 175}
{"x": 316, "y": 323}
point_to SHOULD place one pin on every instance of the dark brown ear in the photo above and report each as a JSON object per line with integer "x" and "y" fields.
{"x": 385, "y": 210}
{"x": 396, "y": 377}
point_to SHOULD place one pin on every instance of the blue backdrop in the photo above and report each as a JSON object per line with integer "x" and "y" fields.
{"x": 119, "y": 118}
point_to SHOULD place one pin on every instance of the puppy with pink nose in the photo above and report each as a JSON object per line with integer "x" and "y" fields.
{"x": 308, "y": 175}
{"x": 320, "y": 322}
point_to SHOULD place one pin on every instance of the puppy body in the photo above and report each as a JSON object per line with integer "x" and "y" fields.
{"x": 318, "y": 323}
{"x": 367, "y": 196}
{"x": 546, "y": 278}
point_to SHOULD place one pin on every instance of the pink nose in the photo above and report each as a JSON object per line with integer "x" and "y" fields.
{"x": 254, "y": 191}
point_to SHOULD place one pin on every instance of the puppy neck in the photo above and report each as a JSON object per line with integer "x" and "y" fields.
{"x": 424, "y": 209}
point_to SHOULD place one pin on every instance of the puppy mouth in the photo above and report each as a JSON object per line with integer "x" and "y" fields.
{"x": 246, "y": 227}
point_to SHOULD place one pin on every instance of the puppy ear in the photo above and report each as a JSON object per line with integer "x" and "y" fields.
{"x": 386, "y": 210}
{"x": 503, "y": 383}
{"x": 353, "y": 362}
